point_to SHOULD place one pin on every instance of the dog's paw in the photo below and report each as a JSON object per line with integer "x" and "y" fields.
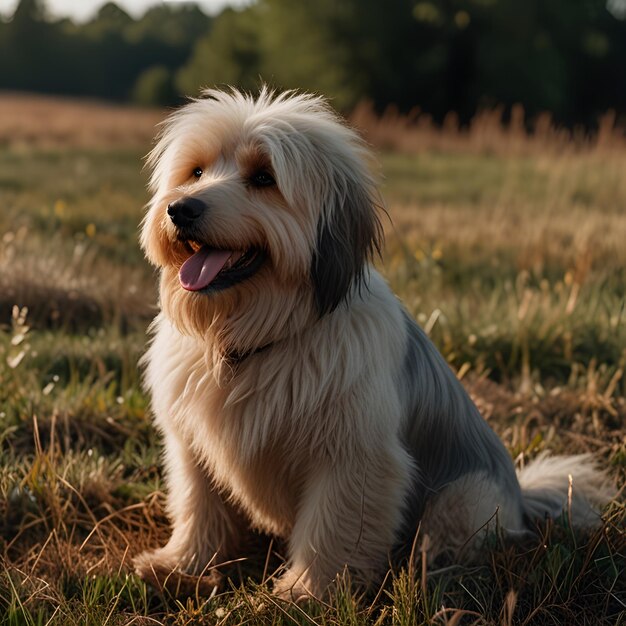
{"x": 149, "y": 562}
{"x": 293, "y": 587}
{"x": 159, "y": 568}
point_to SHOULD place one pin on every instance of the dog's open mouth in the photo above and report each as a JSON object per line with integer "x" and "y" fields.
{"x": 211, "y": 269}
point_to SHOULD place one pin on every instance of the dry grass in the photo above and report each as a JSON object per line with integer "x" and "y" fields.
{"x": 514, "y": 264}
{"x": 563, "y": 210}
{"x": 84, "y": 293}
{"x": 487, "y": 133}
{"x": 50, "y": 121}
{"x": 37, "y": 120}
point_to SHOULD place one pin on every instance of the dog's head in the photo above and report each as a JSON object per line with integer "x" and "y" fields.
{"x": 263, "y": 215}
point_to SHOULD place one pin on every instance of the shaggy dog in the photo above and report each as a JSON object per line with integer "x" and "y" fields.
{"x": 294, "y": 393}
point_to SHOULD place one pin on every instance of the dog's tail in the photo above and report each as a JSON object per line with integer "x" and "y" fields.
{"x": 572, "y": 486}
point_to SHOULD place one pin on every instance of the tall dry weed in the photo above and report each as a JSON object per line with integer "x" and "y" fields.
{"x": 486, "y": 133}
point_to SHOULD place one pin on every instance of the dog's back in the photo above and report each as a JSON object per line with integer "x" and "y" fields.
{"x": 464, "y": 470}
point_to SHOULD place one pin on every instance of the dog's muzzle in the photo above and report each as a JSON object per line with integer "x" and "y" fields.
{"x": 185, "y": 211}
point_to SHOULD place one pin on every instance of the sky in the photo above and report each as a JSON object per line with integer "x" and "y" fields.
{"x": 81, "y": 10}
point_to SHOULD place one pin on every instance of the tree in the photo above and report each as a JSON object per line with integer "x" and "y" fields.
{"x": 171, "y": 24}
{"x": 26, "y": 63}
{"x": 154, "y": 87}
{"x": 110, "y": 19}
{"x": 229, "y": 54}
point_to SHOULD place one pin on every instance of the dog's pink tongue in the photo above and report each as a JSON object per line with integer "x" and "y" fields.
{"x": 201, "y": 268}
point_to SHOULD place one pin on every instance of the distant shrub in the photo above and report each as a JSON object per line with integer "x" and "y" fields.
{"x": 154, "y": 87}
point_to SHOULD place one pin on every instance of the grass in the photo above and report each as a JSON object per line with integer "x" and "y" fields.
{"x": 53, "y": 121}
{"x": 511, "y": 257}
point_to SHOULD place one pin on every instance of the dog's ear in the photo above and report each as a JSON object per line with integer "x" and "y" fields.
{"x": 348, "y": 236}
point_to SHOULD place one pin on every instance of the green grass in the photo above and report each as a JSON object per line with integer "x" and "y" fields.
{"x": 514, "y": 265}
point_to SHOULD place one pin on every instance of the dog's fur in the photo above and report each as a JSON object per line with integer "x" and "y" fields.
{"x": 304, "y": 401}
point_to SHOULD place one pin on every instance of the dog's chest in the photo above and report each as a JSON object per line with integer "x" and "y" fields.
{"x": 254, "y": 469}
{"x": 242, "y": 436}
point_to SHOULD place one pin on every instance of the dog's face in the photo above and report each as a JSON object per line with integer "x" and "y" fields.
{"x": 262, "y": 216}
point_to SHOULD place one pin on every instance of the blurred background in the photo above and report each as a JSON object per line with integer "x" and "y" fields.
{"x": 565, "y": 57}
{"x": 499, "y": 126}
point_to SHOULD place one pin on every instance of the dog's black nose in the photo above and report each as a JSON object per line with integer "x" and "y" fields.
{"x": 185, "y": 211}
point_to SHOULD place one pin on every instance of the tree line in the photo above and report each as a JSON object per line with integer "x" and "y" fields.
{"x": 565, "y": 57}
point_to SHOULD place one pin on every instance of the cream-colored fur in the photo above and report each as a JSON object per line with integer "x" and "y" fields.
{"x": 302, "y": 401}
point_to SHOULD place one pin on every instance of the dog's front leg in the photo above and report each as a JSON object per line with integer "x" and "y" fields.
{"x": 205, "y": 529}
{"x": 350, "y": 513}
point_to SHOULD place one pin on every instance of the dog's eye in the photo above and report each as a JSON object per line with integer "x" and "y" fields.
{"x": 262, "y": 179}
{"x": 197, "y": 172}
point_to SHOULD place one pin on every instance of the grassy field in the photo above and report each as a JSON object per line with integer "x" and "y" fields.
{"x": 510, "y": 250}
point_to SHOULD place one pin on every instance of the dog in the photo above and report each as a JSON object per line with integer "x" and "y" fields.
{"x": 294, "y": 393}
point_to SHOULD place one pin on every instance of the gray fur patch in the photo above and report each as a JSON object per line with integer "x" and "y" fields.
{"x": 444, "y": 431}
